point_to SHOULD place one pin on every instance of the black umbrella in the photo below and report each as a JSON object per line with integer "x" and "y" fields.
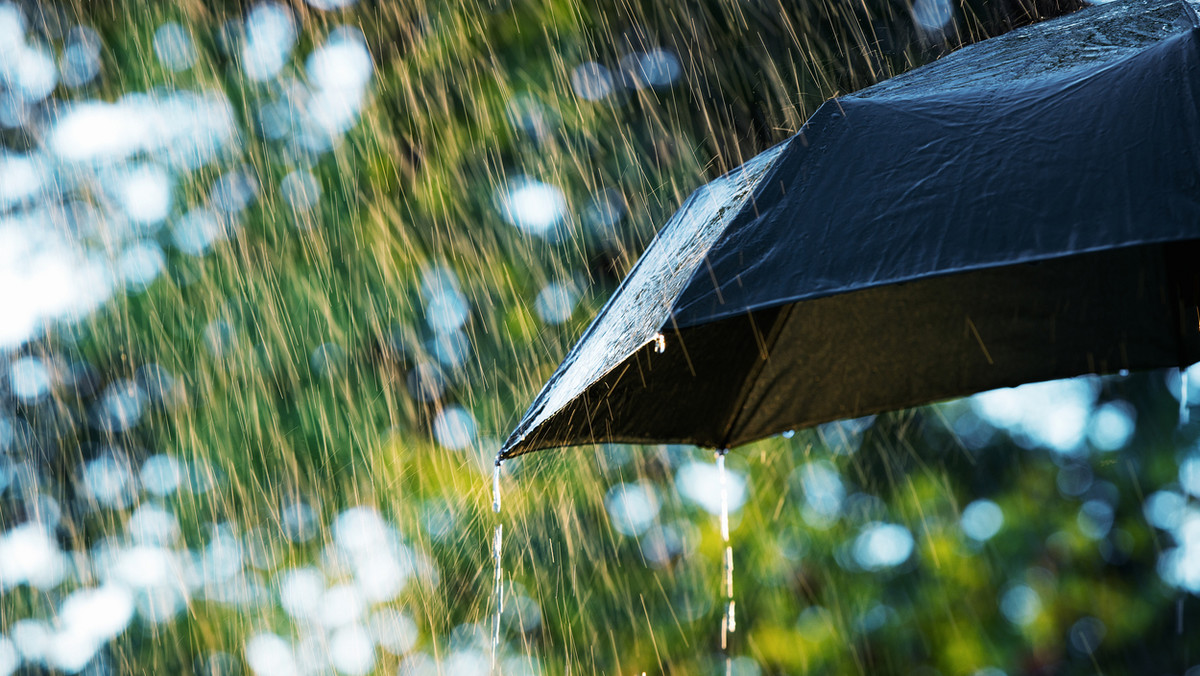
{"x": 1024, "y": 209}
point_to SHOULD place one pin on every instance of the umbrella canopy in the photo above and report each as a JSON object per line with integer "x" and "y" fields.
{"x": 1026, "y": 208}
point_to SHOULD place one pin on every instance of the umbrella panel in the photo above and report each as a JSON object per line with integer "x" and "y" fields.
{"x": 744, "y": 378}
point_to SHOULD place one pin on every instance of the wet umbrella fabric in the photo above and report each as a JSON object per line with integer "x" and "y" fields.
{"x": 1024, "y": 209}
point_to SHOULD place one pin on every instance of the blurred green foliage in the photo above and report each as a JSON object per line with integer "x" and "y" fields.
{"x": 413, "y": 185}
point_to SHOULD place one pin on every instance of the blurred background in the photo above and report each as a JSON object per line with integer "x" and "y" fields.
{"x": 276, "y": 278}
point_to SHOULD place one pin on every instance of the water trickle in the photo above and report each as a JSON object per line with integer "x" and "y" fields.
{"x": 496, "y": 488}
{"x": 724, "y": 497}
{"x": 497, "y": 593}
{"x": 728, "y": 618}
{"x": 1184, "y": 412}
{"x": 498, "y": 580}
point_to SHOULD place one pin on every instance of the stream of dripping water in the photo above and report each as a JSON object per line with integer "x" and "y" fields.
{"x": 729, "y": 618}
{"x": 498, "y": 581}
{"x": 1184, "y": 412}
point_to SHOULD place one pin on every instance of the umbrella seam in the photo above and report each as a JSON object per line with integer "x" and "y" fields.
{"x": 752, "y": 377}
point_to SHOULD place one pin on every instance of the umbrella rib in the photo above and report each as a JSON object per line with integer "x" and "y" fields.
{"x": 748, "y": 385}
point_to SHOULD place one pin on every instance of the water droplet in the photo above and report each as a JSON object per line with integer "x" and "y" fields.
{"x": 174, "y": 47}
{"x": 592, "y": 81}
{"x": 270, "y": 36}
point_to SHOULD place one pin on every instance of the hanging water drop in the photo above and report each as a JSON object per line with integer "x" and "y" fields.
{"x": 660, "y": 343}
{"x": 496, "y": 487}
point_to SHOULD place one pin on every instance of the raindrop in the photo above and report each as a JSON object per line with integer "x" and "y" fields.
{"x": 21, "y": 179}
{"x": 361, "y": 529}
{"x": 300, "y": 189}
{"x": 12, "y": 24}
{"x": 527, "y": 113}
{"x": 109, "y": 482}
{"x": 152, "y": 525}
{"x": 1053, "y": 414}
{"x": 743, "y": 666}
{"x": 701, "y": 484}
{"x": 158, "y": 383}
{"x": 446, "y": 308}
{"x": 99, "y": 613}
{"x": 121, "y": 406}
{"x": 29, "y": 555}
{"x": 1086, "y": 635}
{"x": 426, "y": 383}
{"x": 393, "y": 630}
{"x": 875, "y": 618}
{"x": 822, "y": 489}
{"x": 144, "y": 193}
{"x": 10, "y": 659}
{"x": 300, "y": 593}
{"x": 440, "y": 521}
{"x": 160, "y": 604}
{"x": 234, "y": 191}
{"x": 140, "y": 265}
{"x": 521, "y": 612}
{"x": 1112, "y": 426}
{"x": 198, "y": 230}
{"x": 533, "y": 206}
{"x": 556, "y": 302}
{"x": 339, "y": 72}
{"x": 270, "y": 655}
{"x": 604, "y": 212}
{"x": 1189, "y": 474}
{"x": 32, "y": 639}
{"x": 29, "y": 379}
{"x": 1074, "y": 479}
{"x": 35, "y": 75}
{"x": 1165, "y": 509}
{"x": 454, "y": 428}
{"x": 932, "y": 16}
{"x": 174, "y": 47}
{"x": 451, "y": 349}
{"x": 161, "y": 475}
{"x": 656, "y": 68}
{"x": 299, "y": 521}
{"x": 80, "y": 60}
{"x": 592, "y": 81}
{"x": 631, "y": 507}
{"x": 982, "y": 519}
{"x": 882, "y": 545}
{"x": 219, "y": 338}
{"x": 1020, "y": 604}
{"x": 380, "y": 575}
{"x": 351, "y": 651}
{"x": 1095, "y": 519}
{"x": 330, "y": 5}
{"x": 418, "y": 664}
{"x": 270, "y": 34}
{"x": 661, "y": 546}
{"x": 327, "y": 359}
